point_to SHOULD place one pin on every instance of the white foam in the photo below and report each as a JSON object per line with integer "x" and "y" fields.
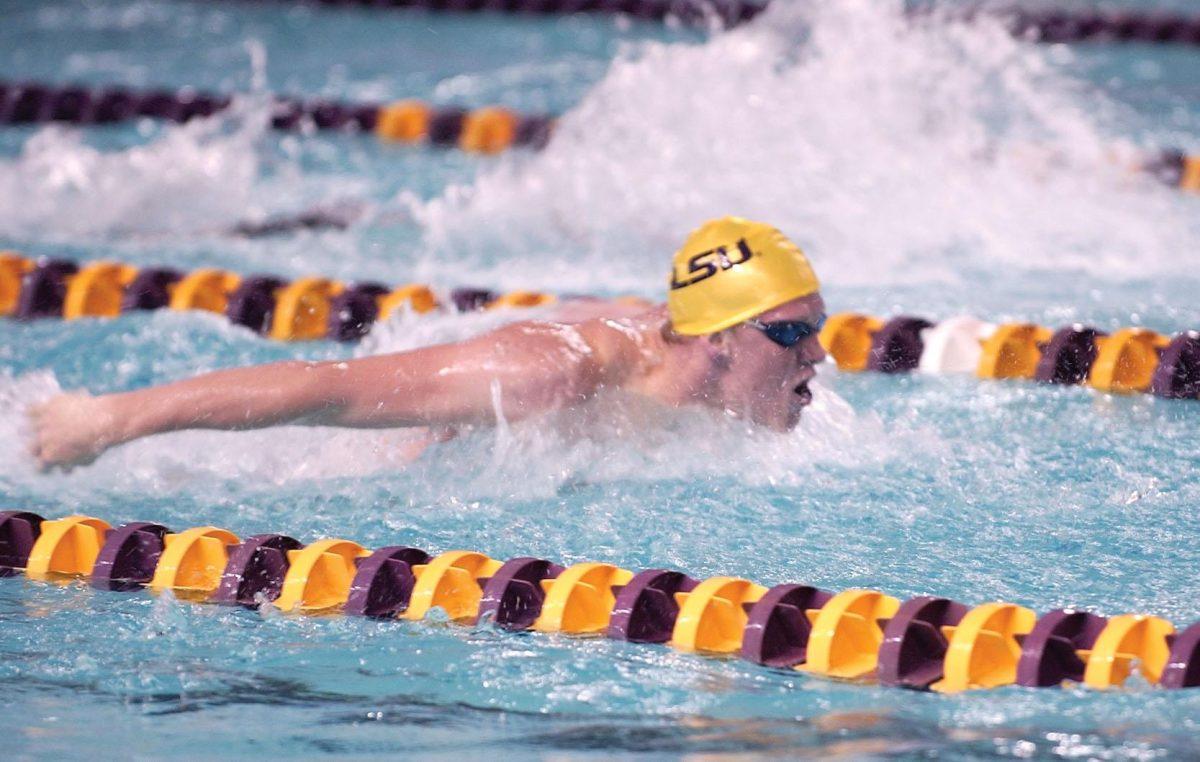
{"x": 182, "y": 460}
{"x": 190, "y": 177}
{"x": 179, "y": 182}
{"x": 892, "y": 151}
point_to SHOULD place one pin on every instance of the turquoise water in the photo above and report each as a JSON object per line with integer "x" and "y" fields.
{"x": 933, "y": 171}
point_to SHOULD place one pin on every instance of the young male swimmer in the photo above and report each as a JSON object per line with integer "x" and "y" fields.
{"x": 738, "y": 333}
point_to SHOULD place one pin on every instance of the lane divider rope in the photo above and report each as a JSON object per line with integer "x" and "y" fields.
{"x": 304, "y": 309}
{"x": 1043, "y": 25}
{"x": 485, "y": 130}
{"x": 924, "y": 643}
{"x": 1125, "y": 361}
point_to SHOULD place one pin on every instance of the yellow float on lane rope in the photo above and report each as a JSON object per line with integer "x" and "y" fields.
{"x": 451, "y": 582}
{"x": 847, "y": 633}
{"x": 12, "y": 269}
{"x": 193, "y": 561}
{"x": 580, "y": 600}
{"x": 1124, "y": 640}
{"x": 420, "y": 298}
{"x": 205, "y": 289}
{"x": 302, "y": 309}
{"x": 1190, "y": 180}
{"x": 403, "y": 121}
{"x": 319, "y": 575}
{"x": 67, "y": 547}
{"x": 847, "y": 338}
{"x": 491, "y": 129}
{"x": 521, "y": 299}
{"x": 984, "y": 647}
{"x": 96, "y": 290}
{"x": 1013, "y": 351}
{"x": 1126, "y": 360}
{"x": 712, "y": 617}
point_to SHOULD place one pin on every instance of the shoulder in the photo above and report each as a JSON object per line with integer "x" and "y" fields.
{"x": 598, "y": 350}
{"x": 624, "y": 346}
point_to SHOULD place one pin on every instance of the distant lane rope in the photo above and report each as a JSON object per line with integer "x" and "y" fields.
{"x": 484, "y": 130}
{"x": 861, "y": 635}
{"x": 487, "y": 130}
{"x": 1041, "y": 25}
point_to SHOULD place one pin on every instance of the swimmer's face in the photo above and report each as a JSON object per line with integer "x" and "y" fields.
{"x": 764, "y": 382}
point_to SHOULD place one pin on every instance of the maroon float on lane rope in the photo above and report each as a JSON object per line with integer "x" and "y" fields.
{"x": 24, "y": 103}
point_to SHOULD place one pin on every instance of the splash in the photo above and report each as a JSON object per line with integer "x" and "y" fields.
{"x": 190, "y": 177}
{"x": 185, "y": 461}
{"x": 619, "y": 437}
{"x": 167, "y": 181}
{"x": 893, "y": 151}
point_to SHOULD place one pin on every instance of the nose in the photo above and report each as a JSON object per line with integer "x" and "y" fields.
{"x": 811, "y": 350}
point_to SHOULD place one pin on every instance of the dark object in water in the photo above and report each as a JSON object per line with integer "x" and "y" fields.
{"x": 914, "y": 647}
{"x": 1177, "y": 375}
{"x": 19, "y": 530}
{"x": 646, "y": 609}
{"x": 384, "y": 582}
{"x": 513, "y": 597}
{"x": 1069, "y": 355}
{"x": 44, "y": 288}
{"x": 255, "y": 570}
{"x": 777, "y": 625}
{"x": 897, "y": 346}
{"x": 129, "y": 556}
{"x": 1049, "y": 654}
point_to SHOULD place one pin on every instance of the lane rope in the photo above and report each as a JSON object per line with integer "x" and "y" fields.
{"x": 304, "y": 309}
{"x": 1042, "y": 25}
{"x": 486, "y": 130}
{"x": 861, "y": 635}
{"x": 1126, "y": 361}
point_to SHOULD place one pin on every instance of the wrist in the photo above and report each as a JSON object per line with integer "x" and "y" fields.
{"x": 118, "y": 421}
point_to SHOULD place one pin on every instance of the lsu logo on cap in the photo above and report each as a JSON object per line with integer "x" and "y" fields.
{"x": 708, "y": 263}
{"x": 732, "y": 269}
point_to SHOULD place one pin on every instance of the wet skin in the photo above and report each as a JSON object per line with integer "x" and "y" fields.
{"x": 764, "y": 382}
{"x": 526, "y": 368}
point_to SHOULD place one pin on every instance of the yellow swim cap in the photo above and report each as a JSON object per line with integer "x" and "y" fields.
{"x": 732, "y": 269}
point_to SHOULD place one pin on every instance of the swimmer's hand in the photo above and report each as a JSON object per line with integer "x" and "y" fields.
{"x": 71, "y": 430}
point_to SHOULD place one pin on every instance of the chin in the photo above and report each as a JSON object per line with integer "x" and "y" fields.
{"x": 793, "y": 419}
{"x": 795, "y": 411}
{"x": 783, "y": 420}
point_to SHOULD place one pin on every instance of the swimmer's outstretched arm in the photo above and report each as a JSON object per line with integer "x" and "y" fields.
{"x": 516, "y": 371}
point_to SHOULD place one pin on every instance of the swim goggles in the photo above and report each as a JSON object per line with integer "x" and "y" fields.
{"x": 787, "y": 333}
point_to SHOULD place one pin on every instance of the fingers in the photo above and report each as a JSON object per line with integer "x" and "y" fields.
{"x": 66, "y": 431}
{"x": 46, "y": 441}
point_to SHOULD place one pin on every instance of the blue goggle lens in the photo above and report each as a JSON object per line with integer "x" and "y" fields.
{"x": 789, "y": 333}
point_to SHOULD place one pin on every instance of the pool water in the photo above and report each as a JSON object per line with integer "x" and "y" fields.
{"x": 934, "y": 169}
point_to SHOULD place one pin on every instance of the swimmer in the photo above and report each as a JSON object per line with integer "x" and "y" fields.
{"x": 738, "y": 333}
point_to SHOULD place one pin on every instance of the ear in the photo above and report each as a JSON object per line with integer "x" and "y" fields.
{"x": 720, "y": 340}
{"x": 720, "y": 350}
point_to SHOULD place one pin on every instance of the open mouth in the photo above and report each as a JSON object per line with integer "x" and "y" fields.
{"x": 803, "y": 392}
